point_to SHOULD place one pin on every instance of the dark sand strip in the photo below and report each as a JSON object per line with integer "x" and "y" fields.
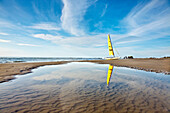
{"x": 162, "y": 65}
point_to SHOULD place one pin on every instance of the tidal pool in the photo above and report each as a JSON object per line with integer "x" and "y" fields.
{"x": 86, "y": 87}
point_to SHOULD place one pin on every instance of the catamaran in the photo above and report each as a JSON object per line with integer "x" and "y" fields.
{"x": 111, "y": 52}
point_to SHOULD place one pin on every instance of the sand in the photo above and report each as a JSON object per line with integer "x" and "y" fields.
{"x": 8, "y": 70}
{"x": 162, "y": 65}
{"x": 82, "y": 88}
{"x": 159, "y": 65}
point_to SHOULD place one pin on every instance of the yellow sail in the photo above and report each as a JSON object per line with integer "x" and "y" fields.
{"x": 109, "y": 74}
{"x": 110, "y": 46}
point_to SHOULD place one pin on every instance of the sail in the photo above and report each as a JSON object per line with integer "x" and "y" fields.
{"x": 109, "y": 74}
{"x": 110, "y": 46}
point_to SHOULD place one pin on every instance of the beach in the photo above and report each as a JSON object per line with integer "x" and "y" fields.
{"x": 71, "y": 86}
{"x": 158, "y": 65}
{"x": 8, "y": 70}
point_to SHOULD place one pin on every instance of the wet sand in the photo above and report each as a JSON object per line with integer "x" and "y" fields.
{"x": 8, "y": 70}
{"x": 162, "y": 65}
{"x": 82, "y": 88}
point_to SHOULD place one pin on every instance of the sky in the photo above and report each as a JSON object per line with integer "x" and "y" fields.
{"x": 79, "y": 28}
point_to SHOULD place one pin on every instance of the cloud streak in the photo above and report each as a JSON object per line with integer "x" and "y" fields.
{"x": 5, "y": 41}
{"x": 72, "y": 16}
{"x": 45, "y": 26}
{"x": 21, "y": 44}
{"x": 48, "y": 37}
{"x": 3, "y": 33}
{"x": 86, "y": 41}
{"x": 147, "y": 21}
{"x": 104, "y": 10}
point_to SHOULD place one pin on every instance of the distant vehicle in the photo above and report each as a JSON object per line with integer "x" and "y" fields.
{"x": 128, "y": 57}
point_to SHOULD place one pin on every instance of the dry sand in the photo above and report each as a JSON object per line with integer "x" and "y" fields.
{"x": 162, "y": 65}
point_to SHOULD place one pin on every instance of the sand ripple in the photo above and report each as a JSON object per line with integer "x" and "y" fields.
{"x": 126, "y": 94}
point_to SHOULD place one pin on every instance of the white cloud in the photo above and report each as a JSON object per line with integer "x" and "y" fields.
{"x": 39, "y": 13}
{"x": 7, "y": 24}
{"x": 151, "y": 27}
{"x": 21, "y": 44}
{"x": 6, "y": 41}
{"x": 147, "y": 21}
{"x": 48, "y": 37}
{"x": 4, "y": 34}
{"x": 14, "y": 27}
{"x": 72, "y": 15}
{"x": 123, "y": 42}
{"x": 45, "y": 26}
{"x": 75, "y": 41}
{"x": 146, "y": 13}
{"x": 104, "y": 10}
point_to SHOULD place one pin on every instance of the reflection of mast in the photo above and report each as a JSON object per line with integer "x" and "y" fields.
{"x": 109, "y": 74}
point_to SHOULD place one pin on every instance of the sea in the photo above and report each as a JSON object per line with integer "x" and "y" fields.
{"x": 42, "y": 59}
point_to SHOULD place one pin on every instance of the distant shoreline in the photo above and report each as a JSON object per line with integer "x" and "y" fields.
{"x": 158, "y": 65}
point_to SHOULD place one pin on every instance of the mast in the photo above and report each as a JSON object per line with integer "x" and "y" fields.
{"x": 110, "y": 46}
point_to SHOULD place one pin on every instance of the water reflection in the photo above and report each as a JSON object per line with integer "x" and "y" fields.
{"x": 81, "y": 87}
{"x": 109, "y": 74}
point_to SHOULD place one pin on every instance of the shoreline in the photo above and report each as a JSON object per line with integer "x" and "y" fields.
{"x": 162, "y": 65}
{"x": 9, "y": 70}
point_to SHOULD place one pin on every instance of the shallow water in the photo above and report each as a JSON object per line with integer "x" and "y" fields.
{"x": 82, "y": 87}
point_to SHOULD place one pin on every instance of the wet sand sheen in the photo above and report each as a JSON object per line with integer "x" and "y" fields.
{"x": 82, "y": 88}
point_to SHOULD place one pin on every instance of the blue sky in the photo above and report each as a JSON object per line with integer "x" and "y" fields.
{"x": 79, "y": 28}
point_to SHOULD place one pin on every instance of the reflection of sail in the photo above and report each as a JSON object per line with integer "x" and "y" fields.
{"x": 109, "y": 74}
{"x": 110, "y": 46}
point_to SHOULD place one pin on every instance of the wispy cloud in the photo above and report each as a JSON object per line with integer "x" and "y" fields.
{"x": 151, "y": 16}
{"x": 72, "y": 15}
{"x": 7, "y": 24}
{"x": 40, "y": 15}
{"x": 147, "y": 21}
{"x": 13, "y": 28}
{"x": 4, "y": 33}
{"x": 104, "y": 10}
{"x": 21, "y": 44}
{"x": 75, "y": 41}
{"x": 5, "y": 41}
{"x": 124, "y": 42}
{"x": 45, "y": 26}
{"x": 48, "y": 37}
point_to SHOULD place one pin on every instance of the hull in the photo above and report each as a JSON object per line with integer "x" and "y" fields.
{"x": 112, "y": 58}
